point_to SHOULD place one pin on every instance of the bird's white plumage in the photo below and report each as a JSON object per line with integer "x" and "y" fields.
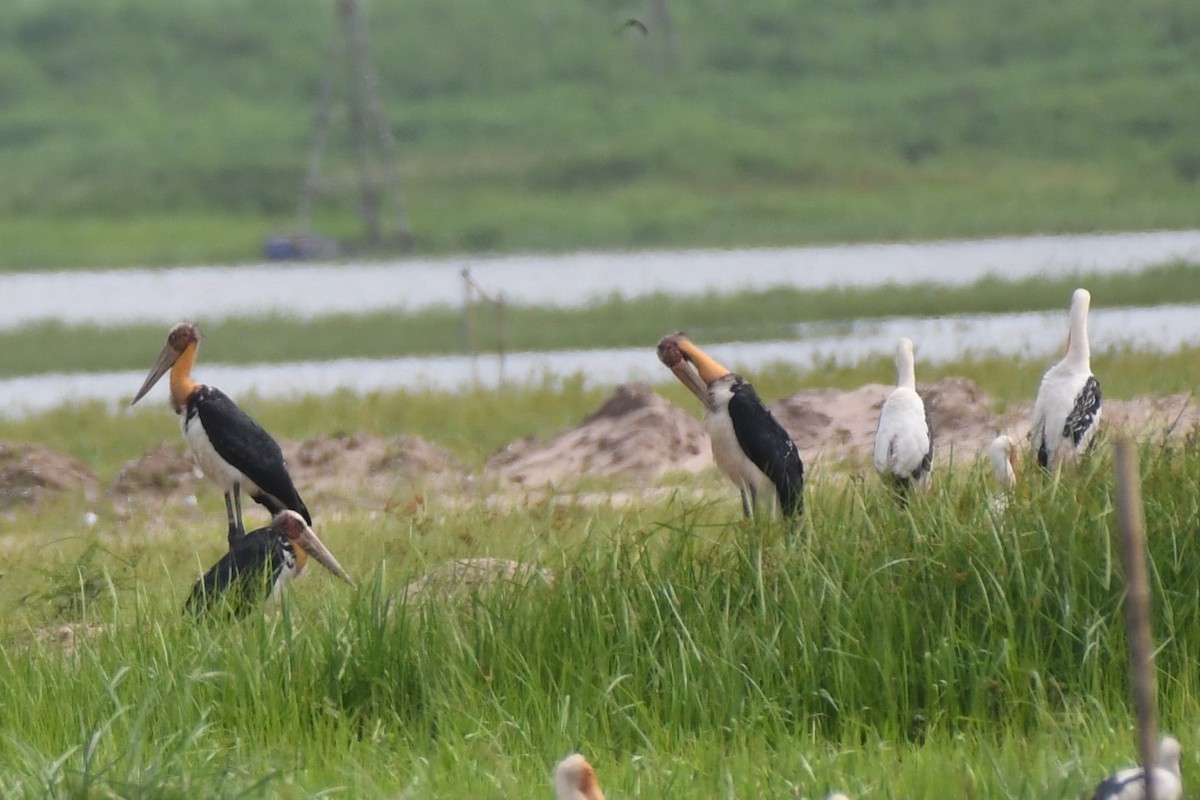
{"x": 216, "y": 468}
{"x": 727, "y": 452}
{"x": 1060, "y": 387}
{"x": 1000, "y": 453}
{"x": 1130, "y": 784}
{"x": 902, "y": 436}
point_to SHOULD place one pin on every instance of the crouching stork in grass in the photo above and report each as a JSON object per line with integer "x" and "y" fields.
{"x": 904, "y": 436}
{"x": 259, "y": 565}
{"x": 1066, "y": 413}
{"x": 231, "y": 448}
{"x": 1130, "y": 784}
{"x": 749, "y": 445}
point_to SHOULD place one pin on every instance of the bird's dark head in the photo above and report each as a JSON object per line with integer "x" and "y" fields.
{"x": 183, "y": 334}
{"x": 292, "y": 526}
{"x": 668, "y": 349}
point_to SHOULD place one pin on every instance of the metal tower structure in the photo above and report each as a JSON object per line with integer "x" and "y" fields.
{"x": 350, "y": 80}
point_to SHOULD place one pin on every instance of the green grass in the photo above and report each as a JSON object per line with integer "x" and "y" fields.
{"x": 614, "y": 322}
{"x": 687, "y": 653}
{"x": 137, "y": 134}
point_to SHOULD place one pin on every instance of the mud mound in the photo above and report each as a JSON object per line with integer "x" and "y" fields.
{"x": 635, "y": 433}
{"x": 472, "y": 575}
{"x": 366, "y": 466}
{"x": 29, "y": 472}
{"x": 163, "y": 469}
{"x": 1175, "y": 414}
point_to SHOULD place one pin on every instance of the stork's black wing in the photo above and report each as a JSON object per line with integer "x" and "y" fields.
{"x": 766, "y": 443}
{"x": 1112, "y": 786}
{"x": 927, "y": 461}
{"x": 242, "y": 579}
{"x": 1083, "y": 413}
{"x": 244, "y": 444}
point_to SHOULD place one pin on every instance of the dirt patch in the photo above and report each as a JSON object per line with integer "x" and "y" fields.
{"x": 30, "y": 472}
{"x": 366, "y": 467}
{"x": 1174, "y": 415}
{"x": 164, "y": 469}
{"x": 635, "y": 434}
{"x": 468, "y": 575}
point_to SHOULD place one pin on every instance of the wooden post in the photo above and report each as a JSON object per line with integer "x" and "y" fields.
{"x": 1137, "y": 605}
{"x": 469, "y": 322}
{"x": 501, "y": 334}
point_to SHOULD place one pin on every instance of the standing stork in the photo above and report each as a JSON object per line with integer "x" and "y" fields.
{"x": 1130, "y": 784}
{"x": 231, "y": 448}
{"x": 574, "y": 779}
{"x": 904, "y": 436}
{"x": 1067, "y": 411}
{"x": 260, "y": 564}
{"x": 748, "y": 443}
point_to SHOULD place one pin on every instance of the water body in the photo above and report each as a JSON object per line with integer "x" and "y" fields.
{"x": 203, "y": 294}
{"x": 1033, "y": 335}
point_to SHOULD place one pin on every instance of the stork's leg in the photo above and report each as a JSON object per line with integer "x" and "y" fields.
{"x": 237, "y": 505}
{"x": 233, "y": 519}
{"x": 745, "y": 504}
{"x": 753, "y": 500}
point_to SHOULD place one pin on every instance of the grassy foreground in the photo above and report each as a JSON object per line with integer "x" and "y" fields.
{"x": 615, "y": 322}
{"x": 690, "y": 655}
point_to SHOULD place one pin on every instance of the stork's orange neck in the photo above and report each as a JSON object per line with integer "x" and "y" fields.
{"x": 708, "y": 368}
{"x": 182, "y": 384}
{"x": 301, "y": 558}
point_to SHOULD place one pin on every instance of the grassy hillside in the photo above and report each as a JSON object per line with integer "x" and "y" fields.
{"x": 137, "y": 132}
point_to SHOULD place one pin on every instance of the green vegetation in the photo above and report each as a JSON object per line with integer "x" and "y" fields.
{"x": 615, "y": 322}
{"x": 689, "y": 654}
{"x": 137, "y": 132}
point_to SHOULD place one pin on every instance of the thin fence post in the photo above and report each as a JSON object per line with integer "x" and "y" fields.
{"x": 469, "y": 323}
{"x": 501, "y": 333}
{"x": 1137, "y": 605}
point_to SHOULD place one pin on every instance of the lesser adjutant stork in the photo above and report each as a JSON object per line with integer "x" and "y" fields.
{"x": 231, "y": 448}
{"x": 1067, "y": 411}
{"x": 260, "y": 564}
{"x": 574, "y": 779}
{"x": 1130, "y": 784}
{"x": 748, "y": 443}
{"x": 904, "y": 436}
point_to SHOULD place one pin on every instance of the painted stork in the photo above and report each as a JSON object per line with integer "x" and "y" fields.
{"x": 749, "y": 445}
{"x": 1130, "y": 784}
{"x": 1067, "y": 411}
{"x": 904, "y": 436}
{"x": 231, "y": 448}
{"x": 574, "y": 779}
{"x": 260, "y": 564}
{"x": 1002, "y": 452}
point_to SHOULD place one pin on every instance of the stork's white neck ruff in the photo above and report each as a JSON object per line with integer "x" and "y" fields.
{"x": 906, "y": 376}
{"x": 1079, "y": 351}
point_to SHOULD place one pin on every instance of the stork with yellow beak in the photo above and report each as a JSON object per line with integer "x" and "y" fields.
{"x": 260, "y": 564}
{"x": 749, "y": 445}
{"x": 230, "y": 447}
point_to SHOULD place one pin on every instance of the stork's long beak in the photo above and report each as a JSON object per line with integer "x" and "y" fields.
{"x": 315, "y": 548}
{"x": 690, "y": 378}
{"x": 165, "y": 360}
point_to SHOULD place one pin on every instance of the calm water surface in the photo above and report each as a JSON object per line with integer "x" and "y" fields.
{"x": 1034, "y": 335}
{"x": 206, "y": 293}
